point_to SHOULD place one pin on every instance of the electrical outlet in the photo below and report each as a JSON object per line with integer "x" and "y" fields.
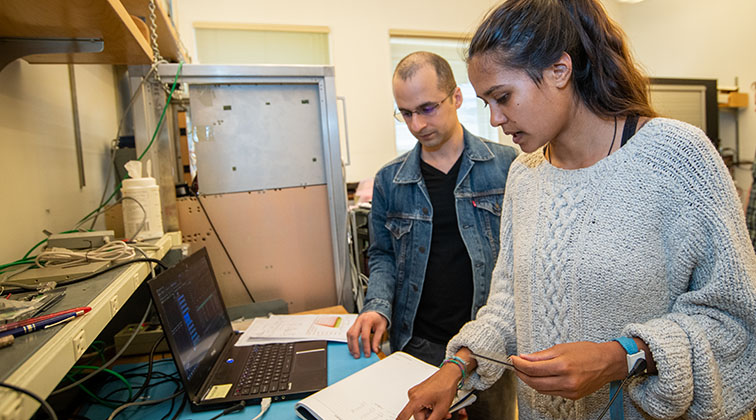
{"x": 113, "y": 306}
{"x": 11, "y": 409}
{"x": 136, "y": 279}
{"x": 78, "y": 344}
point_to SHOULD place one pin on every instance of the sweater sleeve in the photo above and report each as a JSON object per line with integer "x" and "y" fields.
{"x": 705, "y": 347}
{"x": 493, "y": 330}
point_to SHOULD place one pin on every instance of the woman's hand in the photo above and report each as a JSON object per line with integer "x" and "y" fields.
{"x": 572, "y": 370}
{"x": 431, "y": 399}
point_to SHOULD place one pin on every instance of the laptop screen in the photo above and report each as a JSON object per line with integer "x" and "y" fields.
{"x": 193, "y": 316}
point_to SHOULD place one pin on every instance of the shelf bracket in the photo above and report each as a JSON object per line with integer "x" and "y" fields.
{"x": 14, "y": 48}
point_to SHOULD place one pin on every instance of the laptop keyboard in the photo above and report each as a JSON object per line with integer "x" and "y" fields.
{"x": 267, "y": 369}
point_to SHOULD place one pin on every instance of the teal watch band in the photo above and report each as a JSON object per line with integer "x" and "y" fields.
{"x": 633, "y": 355}
{"x": 628, "y": 344}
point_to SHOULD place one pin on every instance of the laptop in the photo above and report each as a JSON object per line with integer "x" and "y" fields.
{"x": 215, "y": 373}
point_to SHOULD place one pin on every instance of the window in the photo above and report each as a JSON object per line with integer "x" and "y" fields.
{"x": 472, "y": 114}
{"x": 261, "y": 44}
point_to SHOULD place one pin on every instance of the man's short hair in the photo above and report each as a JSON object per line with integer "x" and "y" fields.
{"x": 410, "y": 64}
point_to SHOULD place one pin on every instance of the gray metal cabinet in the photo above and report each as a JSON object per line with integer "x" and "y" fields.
{"x": 271, "y": 181}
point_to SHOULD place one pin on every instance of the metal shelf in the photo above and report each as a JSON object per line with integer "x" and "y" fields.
{"x": 38, "y": 361}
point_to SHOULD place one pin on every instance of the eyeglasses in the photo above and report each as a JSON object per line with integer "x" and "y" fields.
{"x": 427, "y": 110}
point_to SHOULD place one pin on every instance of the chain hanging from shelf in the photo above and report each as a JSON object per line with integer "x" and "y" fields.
{"x": 156, "y": 57}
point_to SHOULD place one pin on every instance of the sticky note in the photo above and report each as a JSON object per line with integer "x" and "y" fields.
{"x": 218, "y": 391}
{"x": 332, "y": 321}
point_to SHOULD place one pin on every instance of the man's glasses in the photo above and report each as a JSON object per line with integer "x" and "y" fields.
{"x": 427, "y": 110}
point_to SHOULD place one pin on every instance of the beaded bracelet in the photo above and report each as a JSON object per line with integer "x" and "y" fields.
{"x": 461, "y": 365}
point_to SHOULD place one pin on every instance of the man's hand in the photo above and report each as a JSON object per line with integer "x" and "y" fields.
{"x": 431, "y": 399}
{"x": 572, "y": 370}
{"x": 364, "y": 325}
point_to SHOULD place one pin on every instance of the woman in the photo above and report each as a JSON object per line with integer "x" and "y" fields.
{"x": 622, "y": 238}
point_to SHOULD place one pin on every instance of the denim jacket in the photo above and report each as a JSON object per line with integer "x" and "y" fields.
{"x": 401, "y": 226}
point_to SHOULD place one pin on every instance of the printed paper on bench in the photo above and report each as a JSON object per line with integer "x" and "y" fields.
{"x": 290, "y": 328}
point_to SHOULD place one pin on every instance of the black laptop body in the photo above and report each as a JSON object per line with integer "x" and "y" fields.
{"x": 215, "y": 373}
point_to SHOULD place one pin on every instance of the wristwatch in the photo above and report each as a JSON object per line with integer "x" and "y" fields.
{"x": 633, "y": 355}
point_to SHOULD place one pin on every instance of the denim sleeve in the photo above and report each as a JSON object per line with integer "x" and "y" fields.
{"x": 382, "y": 262}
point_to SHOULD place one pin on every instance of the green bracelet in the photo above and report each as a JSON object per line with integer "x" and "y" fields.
{"x": 462, "y": 367}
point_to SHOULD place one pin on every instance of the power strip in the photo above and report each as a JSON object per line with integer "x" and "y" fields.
{"x": 60, "y": 275}
{"x": 144, "y": 340}
{"x": 80, "y": 240}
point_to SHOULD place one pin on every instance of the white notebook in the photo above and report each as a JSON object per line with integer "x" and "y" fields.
{"x": 378, "y": 392}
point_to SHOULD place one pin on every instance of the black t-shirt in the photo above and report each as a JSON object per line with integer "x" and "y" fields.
{"x": 447, "y": 293}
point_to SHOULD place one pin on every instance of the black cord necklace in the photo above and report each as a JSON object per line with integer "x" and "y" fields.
{"x": 611, "y": 146}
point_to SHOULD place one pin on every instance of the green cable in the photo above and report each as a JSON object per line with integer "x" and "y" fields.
{"x": 104, "y": 203}
{"x": 112, "y": 372}
{"x": 92, "y": 394}
{"x": 26, "y": 259}
{"x": 165, "y": 108}
{"x": 99, "y": 347}
{"x": 41, "y": 242}
{"x": 34, "y": 247}
{"x": 17, "y": 262}
{"x": 154, "y": 136}
{"x": 97, "y": 344}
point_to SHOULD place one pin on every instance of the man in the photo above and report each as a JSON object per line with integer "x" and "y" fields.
{"x": 434, "y": 221}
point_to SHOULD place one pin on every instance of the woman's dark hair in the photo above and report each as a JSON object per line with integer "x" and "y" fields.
{"x": 531, "y": 35}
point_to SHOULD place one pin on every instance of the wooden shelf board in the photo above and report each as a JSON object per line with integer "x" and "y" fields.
{"x": 170, "y": 48}
{"x": 725, "y": 106}
{"x": 102, "y": 19}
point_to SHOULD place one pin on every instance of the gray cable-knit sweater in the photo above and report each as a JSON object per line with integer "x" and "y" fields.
{"x": 649, "y": 242}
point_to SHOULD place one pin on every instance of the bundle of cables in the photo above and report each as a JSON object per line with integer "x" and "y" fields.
{"x": 115, "y": 251}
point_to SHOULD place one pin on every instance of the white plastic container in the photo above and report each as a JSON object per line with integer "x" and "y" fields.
{"x": 141, "y": 224}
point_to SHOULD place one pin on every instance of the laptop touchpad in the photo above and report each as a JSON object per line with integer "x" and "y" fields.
{"x": 310, "y": 359}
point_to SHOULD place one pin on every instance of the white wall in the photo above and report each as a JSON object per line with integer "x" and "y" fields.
{"x": 38, "y": 171}
{"x": 671, "y": 38}
{"x": 700, "y": 39}
{"x": 359, "y": 51}
{"x": 612, "y": 8}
